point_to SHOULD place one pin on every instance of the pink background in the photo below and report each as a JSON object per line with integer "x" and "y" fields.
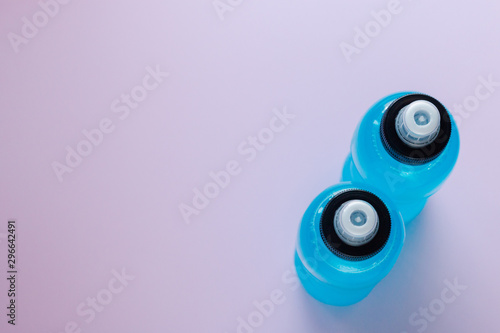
{"x": 120, "y": 207}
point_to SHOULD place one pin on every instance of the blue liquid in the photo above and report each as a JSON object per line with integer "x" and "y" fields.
{"x": 334, "y": 280}
{"x": 409, "y": 186}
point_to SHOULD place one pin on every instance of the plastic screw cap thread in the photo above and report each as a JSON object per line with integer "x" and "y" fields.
{"x": 418, "y": 123}
{"x": 356, "y": 222}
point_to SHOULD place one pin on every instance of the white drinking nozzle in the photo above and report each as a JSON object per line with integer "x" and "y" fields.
{"x": 418, "y": 123}
{"x": 356, "y": 222}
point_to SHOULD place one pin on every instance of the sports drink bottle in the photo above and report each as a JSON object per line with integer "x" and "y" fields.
{"x": 406, "y": 146}
{"x": 349, "y": 239}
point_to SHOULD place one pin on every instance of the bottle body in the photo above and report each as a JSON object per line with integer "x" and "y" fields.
{"x": 337, "y": 273}
{"x": 408, "y": 181}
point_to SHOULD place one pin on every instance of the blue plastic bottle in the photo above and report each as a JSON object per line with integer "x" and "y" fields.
{"x": 406, "y": 146}
{"x": 349, "y": 239}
